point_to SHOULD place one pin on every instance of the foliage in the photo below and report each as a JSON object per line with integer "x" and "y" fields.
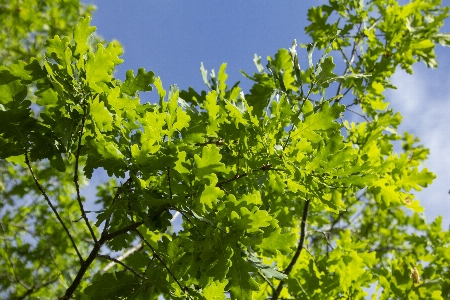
{"x": 281, "y": 195}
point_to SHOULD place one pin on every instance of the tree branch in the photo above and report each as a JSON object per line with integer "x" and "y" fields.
{"x": 95, "y": 252}
{"x": 160, "y": 260}
{"x": 352, "y": 58}
{"x": 291, "y": 265}
{"x": 264, "y": 167}
{"x": 10, "y": 260}
{"x": 123, "y": 265}
{"x": 84, "y": 266}
{"x": 126, "y": 229}
{"x": 133, "y": 249}
{"x": 356, "y": 113}
{"x": 35, "y": 288}
{"x": 75, "y": 177}
{"x": 116, "y": 196}
{"x": 41, "y": 189}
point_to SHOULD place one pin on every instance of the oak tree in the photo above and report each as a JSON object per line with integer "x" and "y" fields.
{"x": 282, "y": 191}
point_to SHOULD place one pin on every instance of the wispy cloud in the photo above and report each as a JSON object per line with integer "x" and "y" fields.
{"x": 424, "y": 101}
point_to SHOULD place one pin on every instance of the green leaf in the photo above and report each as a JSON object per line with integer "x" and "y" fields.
{"x": 215, "y": 290}
{"x": 142, "y": 82}
{"x": 209, "y": 162}
{"x": 211, "y": 194}
{"x": 99, "y": 66}
{"x": 415, "y": 179}
{"x": 81, "y": 34}
{"x": 112, "y": 286}
{"x": 240, "y": 283}
{"x": 268, "y": 271}
{"x": 251, "y": 221}
{"x": 283, "y": 242}
{"x": 100, "y": 115}
{"x": 12, "y": 91}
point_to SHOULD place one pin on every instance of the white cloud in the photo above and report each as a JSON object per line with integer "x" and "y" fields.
{"x": 423, "y": 100}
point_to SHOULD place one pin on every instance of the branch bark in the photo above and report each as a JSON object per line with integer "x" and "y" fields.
{"x": 301, "y": 243}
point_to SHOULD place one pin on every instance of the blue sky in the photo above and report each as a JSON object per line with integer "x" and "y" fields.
{"x": 171, "y": 38}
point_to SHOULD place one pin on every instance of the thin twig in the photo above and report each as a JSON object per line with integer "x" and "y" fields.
{"x": 75, "y": 177}
{"x": 116, "y": 196}
{"x": 264, "y": 167}
{"x": 133, "y": 249}
{"x": 356, "y": 113}
{"x": 299, "y": 112}
{"x": 160, "y": 260}
{"x": 387, "y": 249}
{"x": 123, "y": 230}
{"x": 134, "y": 226}
{"x": 122, "y": 257}
{"x": 184, "y": 213}
{"x": 352, "y": 57}
{"x": 170, "y": 187}
{"x": 37, "y": 287}
{"x": 123, "y": 265}
{"x": 41, "y": 189}
{"x": 301, "y": 242}
{"x": 266, "y": 280}
{"x": 11, "y": 262}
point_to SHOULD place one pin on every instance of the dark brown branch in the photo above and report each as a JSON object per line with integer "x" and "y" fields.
{"x": 266, "y": 280}
{"x": 327, "y": 240}
{"x": 123, "y": 265}
{"x": 160, "y": 260}
{"x": 75, "y": 177}
{"x": 84, "y": 266}
{"x": 41, "y": 189}
{"x": 300, "y": 246}
{"x": 298, "y": 114}
{"x": 95, "y": 252}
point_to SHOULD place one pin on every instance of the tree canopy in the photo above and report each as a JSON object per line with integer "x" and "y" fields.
{"x": 281, "y": 195}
